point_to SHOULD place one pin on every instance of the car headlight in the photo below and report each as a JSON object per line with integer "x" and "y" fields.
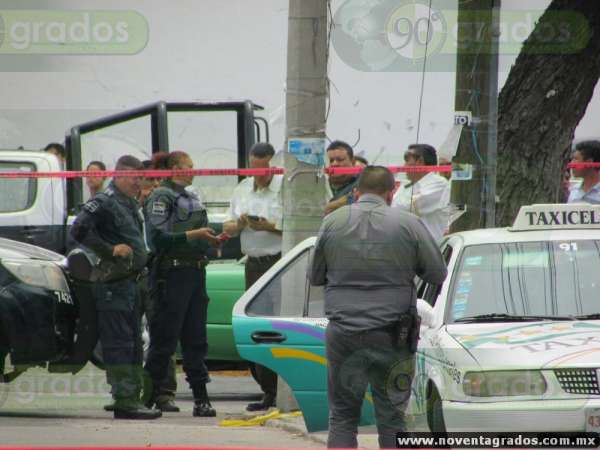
{"x": 42, "y": 274}
{"x": 504, "y": 383}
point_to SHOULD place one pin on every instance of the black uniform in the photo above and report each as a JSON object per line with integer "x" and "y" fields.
{"x": 109, "y": 219}
{"x": 178, "y": 282}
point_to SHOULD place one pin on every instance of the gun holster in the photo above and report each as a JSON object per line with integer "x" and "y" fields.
{"x": 407, "y": 330}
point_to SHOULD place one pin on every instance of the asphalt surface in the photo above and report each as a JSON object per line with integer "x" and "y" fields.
{"x": 39, "y": 409}
{"x": 49, "y": 410}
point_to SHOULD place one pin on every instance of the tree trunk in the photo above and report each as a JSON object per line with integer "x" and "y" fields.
{"x": 541, "y": 104}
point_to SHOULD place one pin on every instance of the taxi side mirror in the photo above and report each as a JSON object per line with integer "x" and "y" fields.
{"x": 425, "y": 311}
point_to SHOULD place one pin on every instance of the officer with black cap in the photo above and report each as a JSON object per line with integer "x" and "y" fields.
{"x": 112, "y": 226}
{"x": 179, "y": 236}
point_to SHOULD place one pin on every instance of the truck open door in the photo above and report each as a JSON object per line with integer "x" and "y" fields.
{"x": 216, "y": 135}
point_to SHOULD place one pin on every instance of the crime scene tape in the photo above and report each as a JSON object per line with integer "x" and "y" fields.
{"x": 143, "y": 173}
{"x": 583, "y": 166}
{"x": 393, "y": 169}
{"x": 234, "y": 172}
{"x": 258, "y": 420}
{"x": 206, "y": 172}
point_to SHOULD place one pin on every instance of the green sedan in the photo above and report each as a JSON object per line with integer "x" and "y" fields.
{"x": 225, "y": 284}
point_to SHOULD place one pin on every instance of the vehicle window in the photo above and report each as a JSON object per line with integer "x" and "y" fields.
{"x": 315, "y": 303}
{"x": 18, "y": 194}
{"x": 285, "y": 294}
{"x": 447, "y": 254}
{"x": 108, "y": 144}
{"x": 430, "y": 292}
{"x": 210, "y": 138}
{"x": 531, "y": 278}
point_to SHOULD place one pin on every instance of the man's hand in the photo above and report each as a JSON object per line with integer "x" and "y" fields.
{"x": 207, "y": 234}
{"x": 261, "y": 224}
{"x": 335, "y": 204}
{"x": 235, "y": 227}
{"x": 122, "y": 251}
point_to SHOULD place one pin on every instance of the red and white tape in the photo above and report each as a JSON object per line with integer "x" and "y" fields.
{"x": 235, "y": 172}
{"x": 144, "y": 173}
{"x": 583, "y": 166}
{"x": 393, "y": 169}
{"x": 208, "y": 172}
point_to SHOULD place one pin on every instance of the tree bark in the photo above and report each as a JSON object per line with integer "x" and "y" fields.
{"x": 541, "y": 104}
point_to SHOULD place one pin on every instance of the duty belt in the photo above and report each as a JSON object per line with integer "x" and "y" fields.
{"x": 175, "y": 263}
{"x": 135, "y": 276}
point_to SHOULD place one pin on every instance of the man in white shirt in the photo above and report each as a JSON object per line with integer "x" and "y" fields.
{"x": 427, "y": 195}
{"x": 255, "y": 214}
{"x": 589, "y": 191}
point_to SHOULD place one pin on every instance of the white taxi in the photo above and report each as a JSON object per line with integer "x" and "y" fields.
{"x": 510, "y": 341}
{"x": 513, "y": 342}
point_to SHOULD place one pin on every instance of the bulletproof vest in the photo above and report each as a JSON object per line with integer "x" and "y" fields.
{"x": 185, "y": 212}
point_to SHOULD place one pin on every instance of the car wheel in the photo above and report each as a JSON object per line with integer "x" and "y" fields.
{"x": 98, "y": 360}
{"x": 435, "y": 415}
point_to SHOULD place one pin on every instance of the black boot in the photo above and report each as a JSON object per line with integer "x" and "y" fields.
{"x": 267, "y": 402}
{"x": 202, "y": 406}
{"x": 134, "y": 410}
{"x": 167, "y": 405}
{"x": 110, "y": 406}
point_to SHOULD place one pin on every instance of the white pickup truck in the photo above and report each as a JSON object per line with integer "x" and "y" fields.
{"x": 38, "y": 211}
{"x": 33, "y": 210}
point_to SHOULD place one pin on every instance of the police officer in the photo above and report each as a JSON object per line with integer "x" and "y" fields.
{"x": 367, "y": 255}
{"x": 177, "y": 225}
{"x": 111, "y": 225}
{"x": 165, "y": 400}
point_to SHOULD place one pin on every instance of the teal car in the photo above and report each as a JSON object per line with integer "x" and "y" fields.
{"x": 508, "y": 343}
{"x": 280, "y": 323}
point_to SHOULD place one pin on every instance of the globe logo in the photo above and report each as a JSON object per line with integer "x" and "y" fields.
{"x": 415, "y": 29}
{"x": 387, "y": 35}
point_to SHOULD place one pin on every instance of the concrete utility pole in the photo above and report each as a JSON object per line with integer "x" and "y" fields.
{"x": 306, "y": 105}
{"x": 477, "y": 92}
{"x": 304, "y": 188}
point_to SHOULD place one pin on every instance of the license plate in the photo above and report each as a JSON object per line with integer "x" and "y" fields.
{"x": 592, "y": 420}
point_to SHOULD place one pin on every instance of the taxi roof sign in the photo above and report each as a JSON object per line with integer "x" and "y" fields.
{"x": 574, "y": 216}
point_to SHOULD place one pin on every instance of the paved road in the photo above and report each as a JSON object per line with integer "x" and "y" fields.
{"x": 39, "y": 409}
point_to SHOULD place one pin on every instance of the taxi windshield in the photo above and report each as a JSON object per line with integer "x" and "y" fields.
{"x": 544, "y": 279}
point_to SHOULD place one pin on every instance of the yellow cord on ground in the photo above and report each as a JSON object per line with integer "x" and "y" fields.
{"x": 258, "y": 420}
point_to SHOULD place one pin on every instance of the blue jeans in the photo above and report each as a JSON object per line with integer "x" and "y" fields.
{"x": 354, "y": 361}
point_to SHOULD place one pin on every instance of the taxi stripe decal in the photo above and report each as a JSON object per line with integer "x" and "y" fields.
{"x": 299, "y": 328}
{"x": 291, "y": 353}
{"x": 565, "y": 358}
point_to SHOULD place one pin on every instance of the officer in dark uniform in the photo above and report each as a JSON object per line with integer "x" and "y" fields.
{"x": 112, "y": 226}
{"x": 179, "y": 236}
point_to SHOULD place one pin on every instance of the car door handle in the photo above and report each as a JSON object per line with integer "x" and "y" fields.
{"x": 268, "y": 337}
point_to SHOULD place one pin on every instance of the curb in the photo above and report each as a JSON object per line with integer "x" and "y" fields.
{"x": 296, "y": 426}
